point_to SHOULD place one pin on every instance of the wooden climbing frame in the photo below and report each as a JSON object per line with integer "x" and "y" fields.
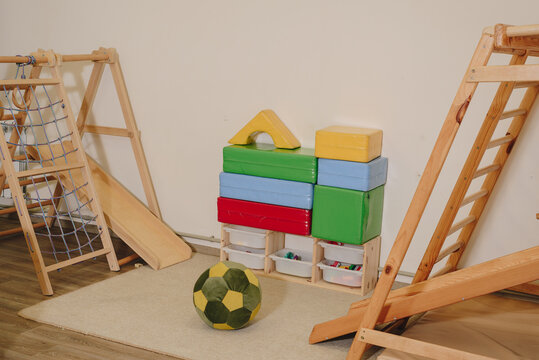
{"x": 449, "y": 285}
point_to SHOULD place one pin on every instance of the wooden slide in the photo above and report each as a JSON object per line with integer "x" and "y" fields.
{"x": 128, "y": 217}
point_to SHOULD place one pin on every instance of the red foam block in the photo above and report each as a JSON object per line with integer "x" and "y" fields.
{"x": 264, "y": 216}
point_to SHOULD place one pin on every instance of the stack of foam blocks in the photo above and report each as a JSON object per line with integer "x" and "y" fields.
{"x": 267, "y": 187}
{"x": 348, "y": 197}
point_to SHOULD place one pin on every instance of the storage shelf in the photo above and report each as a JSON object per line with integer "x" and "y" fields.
{"x": 276, "y": 240}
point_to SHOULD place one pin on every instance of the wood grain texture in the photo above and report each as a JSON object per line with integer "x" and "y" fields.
{"x": 24, "y": 339}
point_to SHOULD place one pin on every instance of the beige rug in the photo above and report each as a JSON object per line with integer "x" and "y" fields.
{"x": 154, "y": 310}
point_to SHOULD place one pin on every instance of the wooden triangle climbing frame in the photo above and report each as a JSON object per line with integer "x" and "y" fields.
{"x": 449, "y": 285}
{"x": 39, "y": 122}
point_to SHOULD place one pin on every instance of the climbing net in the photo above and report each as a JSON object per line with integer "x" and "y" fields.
{"x": 38, "y": 136}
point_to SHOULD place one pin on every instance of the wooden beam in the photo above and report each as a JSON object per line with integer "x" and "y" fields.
{"x": 25, "y": 83}
{"x": 106, "y": 130}
{"x": 48, "y": 170}
{"x": 456, "y": 286}
{"x": 20, "y": 229}
{"x": 530, "y": 288}
{"x": 416, "y": 347}
{"x": 504, "y": 73}
{"x": 89, "y": 96}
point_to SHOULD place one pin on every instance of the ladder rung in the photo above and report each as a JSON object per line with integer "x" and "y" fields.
{"x": 28, "y": 206}
{"x": 500, "y": 141}
{"x": 442, "y": 271}
{"x": 513, "y": 113}
{"x": 25, "y": 83}
{"x": 449, "y": 250}
{"x": 473, "y": 197}
{"x": 76, "y": 260}
{"x": 48, "y": 169}
{"x": 20, "y": 229}
{"x": 467, "y": 220}
{"x": 504, "y": 73}
{"x": 526, "y": 84}
{"x": 33, "y": 181}
{"x": 486, "y": 170}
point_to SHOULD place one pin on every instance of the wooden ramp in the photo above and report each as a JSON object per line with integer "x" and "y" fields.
{"x": 135, "y": 224}
{"x": 128, "y": 217}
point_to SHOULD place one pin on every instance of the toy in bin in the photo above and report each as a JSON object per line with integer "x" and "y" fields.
{"x": 292, "y": 256}
{"x": 345, "y": 266}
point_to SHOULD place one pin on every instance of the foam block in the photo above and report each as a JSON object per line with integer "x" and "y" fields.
{"x": 352, "y": 175}
{"x": 266, "y": 160}
{"x": 348, "y": 143}
{"x": 266, "y": 121}
{"x": 266, "y": 190}
{"x": 347, "y": 216}
{"x": 264, "y": 216}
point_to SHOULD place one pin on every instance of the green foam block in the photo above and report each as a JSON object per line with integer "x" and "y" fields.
{"x": 268, "y": 161}
{"x": 348, "y": 216}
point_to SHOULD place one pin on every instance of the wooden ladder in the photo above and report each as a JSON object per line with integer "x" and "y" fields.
{"x": 76, "y": 162}
{"x": 449, "y": 285}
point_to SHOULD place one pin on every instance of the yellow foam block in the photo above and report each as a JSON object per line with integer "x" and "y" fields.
{"x": 266, "y": 121}
{"x": 348, "y": 143}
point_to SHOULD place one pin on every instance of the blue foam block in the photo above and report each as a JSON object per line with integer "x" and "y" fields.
{"x": 265, "y": 190}
{"x": 352, "y": 175}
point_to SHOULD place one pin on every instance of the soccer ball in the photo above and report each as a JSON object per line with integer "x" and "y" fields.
{"x": 227, "y": 295}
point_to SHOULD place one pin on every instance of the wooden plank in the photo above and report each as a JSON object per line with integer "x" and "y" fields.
{"x": 20, "y": 229}
{"x": 504, "y": 73}
{"x": 449, "y": 250}
{"x": 89, "y": 95}
{"x": 512, "y": 113}
{"x": 318, "y": 256}
{"x": 371, "y": 262}
{"x": 473, "y": 197}
{"x": 225, "y": 241}
{"x": 526, "y": 288}
{"x": 456, "y": 286}
{"x": 442, "y": 271}
{"x": 526, "y": 84}
{"x": 423, "y": 192}
{"x": 500, "y": 141}
{"x": 26, "y": 83}
{"x": 76, "y": 260}
{"x": 445, "y": 226}
{"x": 106, "y": 130}
{"x": 131, "y": 125}
{"x": 490, "y": 181}
{"x": 49, "y": 169}
{"x": 485, "y": 170}
{"x": 459, "y": 225}
{"x": 28, "y": 206}
{"x": 416, "y": 347}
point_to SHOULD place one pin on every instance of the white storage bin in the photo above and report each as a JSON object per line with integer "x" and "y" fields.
{"x": 302, "y": 268}
{"x": 336, "y": 275}
{"x": 247, "y": 236}
{"x": 250, "y": 257}
{"x": 347, "y": 253}
{"x": 304, "y": 243}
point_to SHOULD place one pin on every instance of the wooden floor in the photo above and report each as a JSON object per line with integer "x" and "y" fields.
{"x": 25, "y": 339}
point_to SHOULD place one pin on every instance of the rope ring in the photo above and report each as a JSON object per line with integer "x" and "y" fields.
{"x": 26, "y": 97}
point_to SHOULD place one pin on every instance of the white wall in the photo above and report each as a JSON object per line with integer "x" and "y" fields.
{"x": 197, "y": 71}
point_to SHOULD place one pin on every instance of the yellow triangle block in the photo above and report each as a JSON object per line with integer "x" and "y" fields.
{"x": 266, "y": 121}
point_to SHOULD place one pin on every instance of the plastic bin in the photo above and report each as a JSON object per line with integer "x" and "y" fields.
{"x": 352, "y": 254}
{"x": 250, "y": 257}
{"x": 336, "y": 275}
{"x": 247, "y": 236}
{"x": 302, "y": 268}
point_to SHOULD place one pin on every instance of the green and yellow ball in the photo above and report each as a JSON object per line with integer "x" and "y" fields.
{"x": 227, "y": 295}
